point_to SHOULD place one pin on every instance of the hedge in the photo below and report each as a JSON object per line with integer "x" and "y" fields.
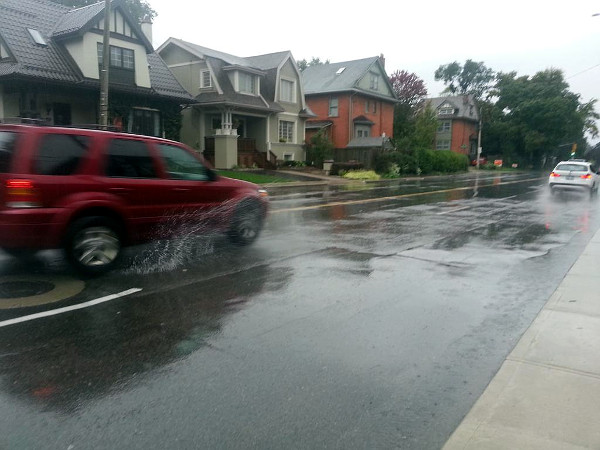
{"x": 428, "y": 161}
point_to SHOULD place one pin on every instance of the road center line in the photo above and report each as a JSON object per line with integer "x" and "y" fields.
{"x": 396, "y": 197}
{"x": 54, "y": 312}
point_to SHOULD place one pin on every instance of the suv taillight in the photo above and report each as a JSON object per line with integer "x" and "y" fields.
{"x": 21, "y": 194}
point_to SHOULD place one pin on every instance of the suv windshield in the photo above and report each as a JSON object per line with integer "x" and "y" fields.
{"x": 7, "y": 146}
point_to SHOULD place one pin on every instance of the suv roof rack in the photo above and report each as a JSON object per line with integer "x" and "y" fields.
{"x": 47, "y": 123}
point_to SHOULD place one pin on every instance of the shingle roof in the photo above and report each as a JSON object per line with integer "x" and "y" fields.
{"x": 324, "y": 78}
{"x": 75, "y": 19}
{"x": 465, "y": 106}
{"x": 51, "y": 62}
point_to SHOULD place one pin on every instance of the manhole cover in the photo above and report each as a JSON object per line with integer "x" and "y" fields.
{"x": 17, "y": 289}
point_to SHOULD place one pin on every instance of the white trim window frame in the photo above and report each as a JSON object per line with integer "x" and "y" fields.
{"x": 374, "y": 82}
{"x": 246, "y": 83}
{"x": 287, "y": 90}
{"x": 444, "y": 126}
{"x": 333, "y": 107}
{"x": 286, "y": 131}
{"x": 205, "y": 79}
{"x": 442, "y": 144}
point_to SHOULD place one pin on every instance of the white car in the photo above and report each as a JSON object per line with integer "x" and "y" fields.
{"x": 574, "y": 174}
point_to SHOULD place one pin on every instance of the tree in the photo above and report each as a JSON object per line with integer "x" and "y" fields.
{"x": 410, "y": 91}
{"x": 537, "y": 118}
{"x": 139, "y": 9}
{"x": 408, "y": 87}
{"x": 474, "y": 78}
{"x": 303, "y": 64}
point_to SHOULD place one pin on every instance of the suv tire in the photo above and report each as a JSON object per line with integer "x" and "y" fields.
{"x": 93, "y": 244}
{"x": 246, "y": 224}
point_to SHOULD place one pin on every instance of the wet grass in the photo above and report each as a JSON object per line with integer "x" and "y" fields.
{"x": 256, "y": 178}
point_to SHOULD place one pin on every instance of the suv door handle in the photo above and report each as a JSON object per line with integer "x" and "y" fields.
{"x": 181, "y": 189}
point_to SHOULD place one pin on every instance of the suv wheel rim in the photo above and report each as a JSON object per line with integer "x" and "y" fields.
{"x": 96, "y": 246}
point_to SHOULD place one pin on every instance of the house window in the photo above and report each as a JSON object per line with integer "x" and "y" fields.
{"x": 444, "y": 126}
{"x": 145, "y": 121}
{"x": 333, "y": 107}
{"x": 37, "y": 37}
{"x": 205, "y": 79}
{"x": 122, "y": 60}
{"x": 246, "y": 83}
{"x": 446, "y": 109}
{"x": 363, "y": 131}
{"x": 286, "y": 131}
{"x": 374, "y": 82}
{"x": 442, "y": 144}
{"x": 288, "y": 156}
{"x": 287, "y": 91}
{"x": 371, "y": 107}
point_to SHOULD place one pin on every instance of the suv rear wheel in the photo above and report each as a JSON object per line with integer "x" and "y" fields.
{"x": 93, "y": 244}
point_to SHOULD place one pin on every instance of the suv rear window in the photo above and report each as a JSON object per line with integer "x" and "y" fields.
{"x": 572, "y": 167}
{"x": 60, "y": 154}
{"x": 7, "y": 147}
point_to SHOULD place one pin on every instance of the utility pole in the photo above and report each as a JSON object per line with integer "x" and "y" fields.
{"x": 479, "y": 137}
{"x": 105, "y": 66}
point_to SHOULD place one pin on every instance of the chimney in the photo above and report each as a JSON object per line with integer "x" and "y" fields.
{"x": 382, "y": 59}
{"x": 146, "y": 26}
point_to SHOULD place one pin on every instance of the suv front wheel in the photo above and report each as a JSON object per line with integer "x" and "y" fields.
{"x": 93, "y": 245}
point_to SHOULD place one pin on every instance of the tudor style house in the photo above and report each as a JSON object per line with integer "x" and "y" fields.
{"x": 458, "y": 119}
{"x": 50, "y": 60}
{"x": 247, "y": 111}
{"x": 354, "y": 103}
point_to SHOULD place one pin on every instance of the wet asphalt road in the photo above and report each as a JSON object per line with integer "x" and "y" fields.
{"x": 366, "y": 316}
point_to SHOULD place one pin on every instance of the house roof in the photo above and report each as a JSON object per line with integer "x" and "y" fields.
{"x": 464, "y": 106}
{"x": 340, "y": 77}
{"x": 267, "y": 66}
{"x": 51, "y": 62}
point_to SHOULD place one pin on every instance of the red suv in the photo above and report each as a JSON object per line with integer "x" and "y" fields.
{"x": 92, "y": 192}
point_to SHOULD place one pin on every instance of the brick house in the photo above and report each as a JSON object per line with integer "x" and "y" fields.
{"x": 458, "y": 119}
{"x": 354, "y": 103}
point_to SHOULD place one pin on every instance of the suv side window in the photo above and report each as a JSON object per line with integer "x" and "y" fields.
{"x": 60, "y": 154}
{"x": 7, "y": 148}
{"x": 181, "y": 165}
{"x": 129, "y": 159}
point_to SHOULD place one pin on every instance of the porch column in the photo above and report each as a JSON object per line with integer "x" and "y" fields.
{"x": 226, "y": 154}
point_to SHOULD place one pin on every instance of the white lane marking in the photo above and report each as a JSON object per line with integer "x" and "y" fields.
{"x": 453, "y": 210}
{"x": 54, "y": 312}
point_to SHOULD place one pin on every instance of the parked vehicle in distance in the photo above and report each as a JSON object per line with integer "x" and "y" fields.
{"x": 482, "y": 160}
{"x": 93, "y": 192}
{"x": 574, "y": 174}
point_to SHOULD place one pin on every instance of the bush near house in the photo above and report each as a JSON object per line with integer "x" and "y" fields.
{"x": 337, "y": 168}
{"x": 420, "y": 162}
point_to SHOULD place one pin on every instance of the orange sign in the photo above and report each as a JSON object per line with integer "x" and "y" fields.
{"x": 498, "y": 162}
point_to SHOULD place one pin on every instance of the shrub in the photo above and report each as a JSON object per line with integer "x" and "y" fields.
{"x": 362, "y": 175}
{"x": 338, "y": 167}
{"x": 293, "y": 164}
{"x": 394, "y": 164}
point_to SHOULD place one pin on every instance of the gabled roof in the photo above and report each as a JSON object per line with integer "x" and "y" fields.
{"x": 341, "y": 77}
{"x": 51, "y": 62}
{"x": 267, "y": 66}
{"x": 465, "y": 106}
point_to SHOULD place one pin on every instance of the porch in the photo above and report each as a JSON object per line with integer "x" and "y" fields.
{"x": 247, "y": 154}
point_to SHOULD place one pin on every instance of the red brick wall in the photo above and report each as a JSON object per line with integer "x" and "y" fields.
{"x": 343, "y": 124}
{"x": 462, "y": 132}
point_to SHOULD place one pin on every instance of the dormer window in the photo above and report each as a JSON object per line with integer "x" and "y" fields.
{"x": 446, "y": 109}
{"x": 205, "y": 79}
{"x": 37, "y": 37}
{"x": 288, "y": 91}
{"x": 246, "y": 83}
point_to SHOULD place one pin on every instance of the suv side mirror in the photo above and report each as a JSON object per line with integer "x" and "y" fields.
{"x": 212, "y": 175}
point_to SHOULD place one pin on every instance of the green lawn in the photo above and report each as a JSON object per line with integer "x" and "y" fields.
{"x": 253, "y": 177}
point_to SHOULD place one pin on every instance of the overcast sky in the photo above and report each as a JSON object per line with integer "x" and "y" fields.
{"x": 525, "y": 36}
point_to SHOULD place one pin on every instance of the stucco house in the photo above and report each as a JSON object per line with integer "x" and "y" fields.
{"x": 354, "y": 103}
{"x": 247, "y": 110}
{"x": 458, "y": 119}
{"x": 50, "y": 60}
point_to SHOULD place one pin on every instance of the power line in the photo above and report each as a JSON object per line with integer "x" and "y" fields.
{"x": 583, "y": 71}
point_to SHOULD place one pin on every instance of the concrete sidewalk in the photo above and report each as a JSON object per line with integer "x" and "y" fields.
{"x": 546, "y": 395}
